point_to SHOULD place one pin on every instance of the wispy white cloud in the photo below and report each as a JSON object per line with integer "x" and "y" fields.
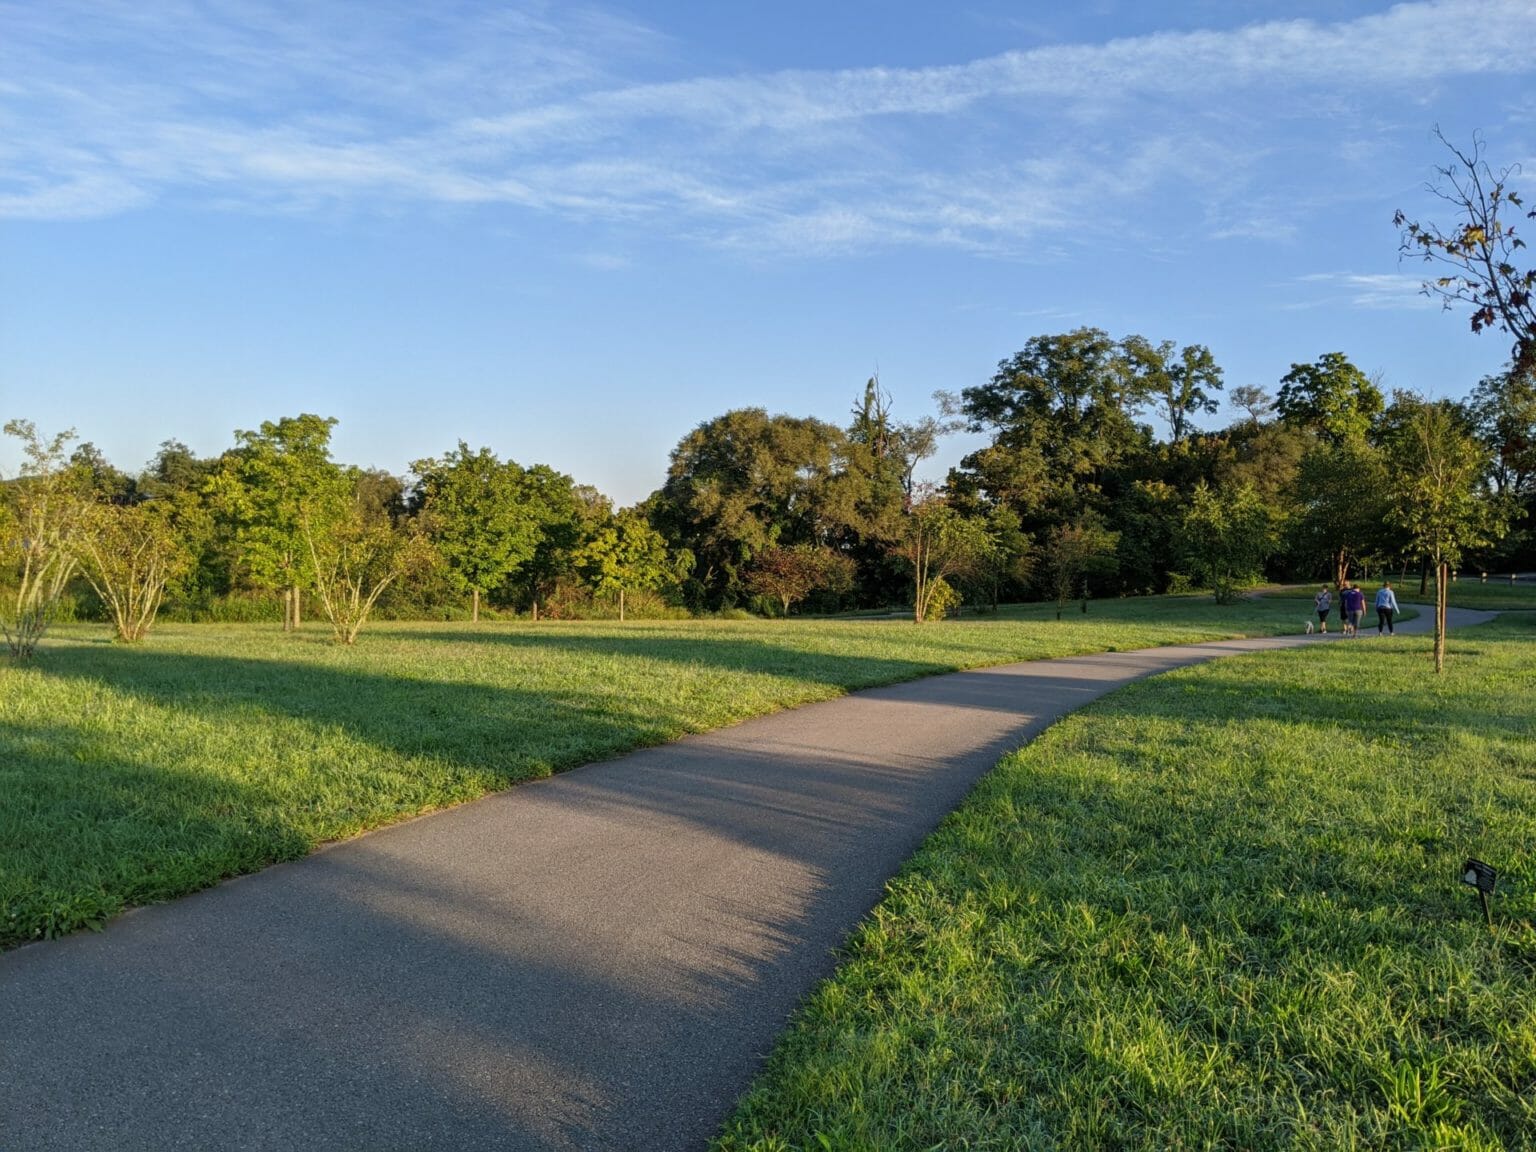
{"x": 109, "y": 106}
{"x": 1374, "y": 291}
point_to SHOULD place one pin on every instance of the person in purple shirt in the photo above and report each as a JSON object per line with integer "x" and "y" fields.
{"x": 1354, "y": 610}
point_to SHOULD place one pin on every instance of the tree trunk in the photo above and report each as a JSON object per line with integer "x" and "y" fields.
{"x": 1440, "y": 599}
{"x": 535, "y": 609}
{"x": 297, "y": 604}
{"x": 621, "y": 605}
{"x": 474, "y": 610}
{"x": 287, "y": 610}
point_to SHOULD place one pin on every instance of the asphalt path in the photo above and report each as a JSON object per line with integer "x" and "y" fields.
{"x": 599, "y": 960}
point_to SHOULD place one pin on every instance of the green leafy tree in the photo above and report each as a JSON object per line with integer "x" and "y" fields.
{"x": 870, "y": 492}
{"x": 1338, "y": 507}
{"x": 1007, "y": 565}
{"x": 477, "y": 513}
{"x": 1226, "y": 538}
{"x": 937, "y": 542}
{"x": 1074, "y": 553}
{"x": 1178, "y": 383}
{"x": 1062, "y": 415}
{"x": 1503, "y": 411}
{"x": 1253, "y": 400}
{"x": 178, "y": 482}
{"x": 1439, "y": 497}
{"x": 1146, "y": 520}
{"x": 132, "y": 551}
{"x": 1331, "y": 397}
{"x": 44, "y": 517}
{"x": 273, "y": 481}
{"x": 356, "y": 553}
{"x": 106, "y": 483}
{"x": 628, "y": 555}
{"x": 565, "y": 513}
{"x": 1476, "y": 256}
{"x": 741, "y": 483}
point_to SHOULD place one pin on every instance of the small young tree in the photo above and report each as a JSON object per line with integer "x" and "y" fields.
{"x": 1226, "y": 538}
{"x": 1073, "y": 553}
{"x": 937, "y": 542}
{"x": 1438, "y": 495}
{"x": 629, "y": 555}
{"x": 789, "y": 575}
{"x": 354, "y": 556}
{"x": 43, "y": 517}
{"x": 131, "y": 552}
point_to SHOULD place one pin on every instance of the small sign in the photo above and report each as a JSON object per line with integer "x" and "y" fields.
{"x": 1476, "y": 874}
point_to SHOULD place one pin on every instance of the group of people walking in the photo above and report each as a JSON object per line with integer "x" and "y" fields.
{"x": 1352, "y": 608}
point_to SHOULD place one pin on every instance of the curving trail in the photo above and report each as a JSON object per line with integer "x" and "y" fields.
{"x": 598, "y": 960}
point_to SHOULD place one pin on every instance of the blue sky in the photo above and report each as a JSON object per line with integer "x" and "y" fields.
{"x": 574, "y": 232}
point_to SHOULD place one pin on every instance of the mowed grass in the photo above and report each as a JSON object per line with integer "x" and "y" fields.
{"x": 1498, "y": 595}
{"x": 1218, "y": 909}
{"x": 130, "y": 775}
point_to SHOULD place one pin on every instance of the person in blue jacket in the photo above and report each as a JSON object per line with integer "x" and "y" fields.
{"x": 1386, "y": 608}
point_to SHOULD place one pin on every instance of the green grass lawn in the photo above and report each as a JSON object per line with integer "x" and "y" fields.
{"x": 1218, "y": 909}
{"x": 133, "y": 774}
{"x": 1467, "y": 592}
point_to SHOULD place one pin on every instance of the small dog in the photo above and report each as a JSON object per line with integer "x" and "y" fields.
{"x": 1309, "y": 627}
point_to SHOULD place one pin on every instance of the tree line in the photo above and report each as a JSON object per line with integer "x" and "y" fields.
{"x": 1074, "y": 494}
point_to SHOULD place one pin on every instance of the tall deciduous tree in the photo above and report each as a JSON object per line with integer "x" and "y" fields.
{"x": 1438, "y": 467}
{"x": 1061, "y": 412}
{"x": 271, "y": 482}
{"x": 565, "y": 513}
{"x": 44, "y": 516}
{"x": 1503, "y": 411}
{"x": 1476, "y": 256}
{"x": 1178, "y": 383}
{"x": 1331, "y": 397}
{"x": 743, "y": 482}
{"x": 477, "y": 513}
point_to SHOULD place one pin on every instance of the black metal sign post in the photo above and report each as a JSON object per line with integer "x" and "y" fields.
{"x": 1476, "y": 874}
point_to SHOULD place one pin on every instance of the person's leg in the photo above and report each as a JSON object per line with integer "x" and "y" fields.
{"x": 1381, "y": 621}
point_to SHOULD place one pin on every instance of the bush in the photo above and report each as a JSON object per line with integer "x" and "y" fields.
{"x": 943, "y": 600}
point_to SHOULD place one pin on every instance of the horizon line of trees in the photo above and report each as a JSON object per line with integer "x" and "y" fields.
{"x": 1072, "y": 497}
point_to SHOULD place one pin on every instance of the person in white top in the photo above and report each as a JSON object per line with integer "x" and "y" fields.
{"x": 1386, "y": 608}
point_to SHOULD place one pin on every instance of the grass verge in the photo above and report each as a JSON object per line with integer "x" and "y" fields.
{"x": 132, "y": 775}
{"x": 1218, "y": 909}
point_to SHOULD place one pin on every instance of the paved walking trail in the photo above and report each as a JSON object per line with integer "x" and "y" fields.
{"x": 599, "y": 960}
